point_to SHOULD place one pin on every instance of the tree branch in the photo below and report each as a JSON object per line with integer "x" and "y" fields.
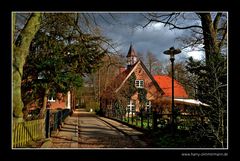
{"x": 223, "y": 38}
{"x": 193, "y": 43}
{"x": 171, "y": 24}
{"x": 197, "y": 32}
{"x": 216, "y": 20}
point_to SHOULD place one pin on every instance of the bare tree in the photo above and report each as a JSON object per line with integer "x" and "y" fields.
{"x": 208, "y": 29}
{"x": 214, "y": 33}
{"x": 153, "y": 64}
{"x": 111, "y": 66}
{"x": 150, "y": 60}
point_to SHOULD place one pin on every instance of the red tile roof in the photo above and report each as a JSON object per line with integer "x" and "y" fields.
{"x": 165, "y": 83}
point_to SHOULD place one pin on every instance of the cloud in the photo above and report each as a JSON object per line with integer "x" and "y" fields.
{"x": 128, "y": 29}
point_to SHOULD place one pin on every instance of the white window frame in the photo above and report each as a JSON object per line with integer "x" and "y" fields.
{"x": 148, "y": 106}
{"x": 131, "y": 106}
{"x": 51, "y": 99}
{"x": 139, "y": 83}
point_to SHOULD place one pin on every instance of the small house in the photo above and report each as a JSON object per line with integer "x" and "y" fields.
{"x": 135, "y": 89}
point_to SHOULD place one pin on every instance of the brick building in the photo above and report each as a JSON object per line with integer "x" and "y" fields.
{"x": 60, "y": 100}
{"x": 158, "y": 88}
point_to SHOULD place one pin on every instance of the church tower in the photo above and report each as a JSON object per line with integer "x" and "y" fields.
{"x": 131, "y": 57}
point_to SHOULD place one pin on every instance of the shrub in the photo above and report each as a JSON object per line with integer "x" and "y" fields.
{"x": 95, "y": 106}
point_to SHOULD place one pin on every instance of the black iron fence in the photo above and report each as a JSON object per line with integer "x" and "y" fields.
{"x": 153, "y": 120}
{"x": 55, "y": 119}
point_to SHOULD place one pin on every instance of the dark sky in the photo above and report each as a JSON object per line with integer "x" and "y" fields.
{"x": 126, "y": 28}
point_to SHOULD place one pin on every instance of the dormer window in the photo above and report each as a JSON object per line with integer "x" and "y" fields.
{"x": 139, "y": 83}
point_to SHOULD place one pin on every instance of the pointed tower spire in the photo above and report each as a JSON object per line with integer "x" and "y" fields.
{"x": 131, "y": 57}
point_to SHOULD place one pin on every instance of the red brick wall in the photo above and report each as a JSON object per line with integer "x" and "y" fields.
{"x": 62, "y": 103}
{"x": 152, "y": 92}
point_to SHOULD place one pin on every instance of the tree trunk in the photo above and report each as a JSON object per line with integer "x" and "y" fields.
{"x": 44, "y": 105}
{"x": 13, "y": 26}
{"x": 20, "y": 52}
{"x": 210, "y": 36}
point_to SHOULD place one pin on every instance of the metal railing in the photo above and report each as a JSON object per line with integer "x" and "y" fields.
{"x": 57, "y": 118}
{"x": 152, "y": 120}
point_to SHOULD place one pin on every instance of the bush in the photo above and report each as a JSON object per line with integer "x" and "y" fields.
{"x": 32, "y": 115}
{"x": 95, "y": 106}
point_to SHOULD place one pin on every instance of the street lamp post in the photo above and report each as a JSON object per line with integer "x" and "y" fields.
{"x": 172, "y": 51}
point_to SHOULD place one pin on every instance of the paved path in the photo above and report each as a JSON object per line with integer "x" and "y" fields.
{"x": 86, "y": 130}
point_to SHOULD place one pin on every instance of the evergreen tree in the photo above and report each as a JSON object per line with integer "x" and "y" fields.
{"x": 212, "y": 89}
{"x": 60, "y": 55}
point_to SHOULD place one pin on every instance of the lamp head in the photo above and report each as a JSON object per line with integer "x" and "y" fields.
{"x": 172, "y": 51}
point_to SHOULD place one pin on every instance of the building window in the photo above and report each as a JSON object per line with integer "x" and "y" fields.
{"x": 131, "y": 107}
{"x": 148, "y": 106}
{"x": 139, "y": 83}
{"x": 51, "y": 99}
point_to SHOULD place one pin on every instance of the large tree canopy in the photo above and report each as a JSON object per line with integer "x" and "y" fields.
{"x": 60, "y": 53}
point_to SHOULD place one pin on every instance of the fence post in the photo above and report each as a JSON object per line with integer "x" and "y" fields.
{"x": 47, "y": 122}
{"x": 121, "y": 114}
{"x": 154, "y": 120}
{"x": 136, "y": 118}
{"x": 148, "y": 115}
{"x": 132, "y": 116}
{"x": 59, "y": 119}
{"x": 128, "y": 115}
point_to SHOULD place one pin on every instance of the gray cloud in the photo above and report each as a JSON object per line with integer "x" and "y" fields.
{"x": 125, "y": 28}
{"x": 155, "y": 38}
